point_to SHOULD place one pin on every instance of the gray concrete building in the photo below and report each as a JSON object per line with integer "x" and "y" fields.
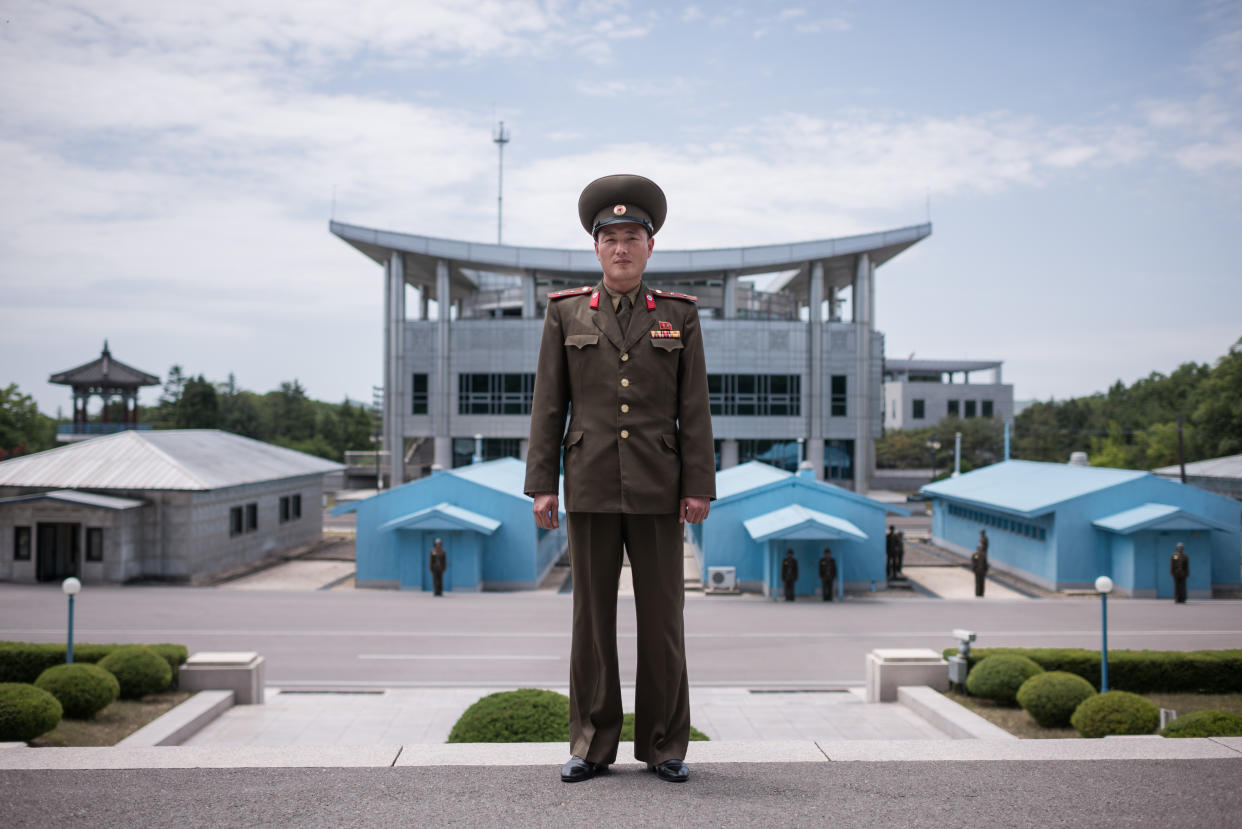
{"x": 790, "y": 378}
{"x": 919, "y": 393}
{"x": 177, "y": 506}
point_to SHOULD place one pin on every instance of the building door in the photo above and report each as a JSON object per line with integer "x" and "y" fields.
{"x": 58, "y": 551}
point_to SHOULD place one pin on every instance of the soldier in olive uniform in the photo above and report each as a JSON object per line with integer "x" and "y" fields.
{"x": 789, "y": 574}
{"x": 979, "y": 565}
{"x": 624, "y": 362}
{"x": 827, "y": 573}
{"x": 983, "y": 541}
{"x": 899, "y": 553}
{"x": 890, "y": 553}
{"x": 438, "y": 564}
{"x": 1179, "y": 569}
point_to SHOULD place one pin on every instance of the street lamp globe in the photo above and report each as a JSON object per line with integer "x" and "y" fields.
{"x": 1104, "y": 585}
{"x": 71, "y": 586}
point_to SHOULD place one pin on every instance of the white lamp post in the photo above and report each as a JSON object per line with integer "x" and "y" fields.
{"x": 71, "y": 586}
{"x": 1104, "y": 586}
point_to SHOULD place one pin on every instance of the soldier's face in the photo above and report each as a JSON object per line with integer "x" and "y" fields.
{"x": 623, "y": 251}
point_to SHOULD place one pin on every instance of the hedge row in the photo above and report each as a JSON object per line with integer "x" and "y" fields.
{"x": 1141, "y": 672}
{"x": 24, "y": 661}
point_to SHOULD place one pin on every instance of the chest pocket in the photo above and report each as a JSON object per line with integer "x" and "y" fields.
{"x": 667, "y": 344}
{"x": 581, "y": 341}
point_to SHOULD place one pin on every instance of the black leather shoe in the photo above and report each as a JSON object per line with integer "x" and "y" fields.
{"x": 672, "y": 771}
{"x": 577, "y": 770}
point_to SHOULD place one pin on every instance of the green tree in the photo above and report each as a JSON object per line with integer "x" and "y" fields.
{"x": 1218, "y": 409}
{"x": 289, "y": 414}
{"x": 198, "y": 408}
{"x": 23, "y": 429}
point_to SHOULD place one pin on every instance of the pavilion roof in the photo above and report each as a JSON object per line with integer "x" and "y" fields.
{"x": 104, "y": 370}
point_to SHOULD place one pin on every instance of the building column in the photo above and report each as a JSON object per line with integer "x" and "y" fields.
{"x": 529, "y": 305}
{"x": 443, "y": 457}
{"x": 523, "y": 448}
{"x": 728, "y": 453}
{"x": 815, "y": 411}
{"x": 394, "y": 375}
{"x": 730, "y": 295}
{"x": 864, "y": 295}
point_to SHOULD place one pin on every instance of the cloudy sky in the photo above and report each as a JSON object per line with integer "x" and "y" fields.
{"x": 169, "y": 169}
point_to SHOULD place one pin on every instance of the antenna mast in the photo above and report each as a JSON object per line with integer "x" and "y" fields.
{"x": 501, "y": 137}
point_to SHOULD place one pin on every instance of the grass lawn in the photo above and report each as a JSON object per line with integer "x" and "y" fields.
{"x": 1019, "y": 723}
{"x": 114, "y": 723}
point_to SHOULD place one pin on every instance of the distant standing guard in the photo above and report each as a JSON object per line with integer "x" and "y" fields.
{"x": 901, "y": 552}
{"x": 890, "y": 553}
{"x": 789, "y": 574}
{"x": 827, "y": 573}
{"x": 621, "y": 396}
{"x": 1179, "y": 569}
{"x": 439, "y": 563}
{"x": 983, "y": 541}
{"x": 979, "y": 564}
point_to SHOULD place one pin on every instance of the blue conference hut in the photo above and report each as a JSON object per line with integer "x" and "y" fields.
{"x": 483, "y": 518}
{"x": 1061, "y": 526}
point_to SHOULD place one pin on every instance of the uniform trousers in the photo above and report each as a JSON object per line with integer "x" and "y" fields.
{"x": 662, "y": 689}
{"x": 1179, "y": 590}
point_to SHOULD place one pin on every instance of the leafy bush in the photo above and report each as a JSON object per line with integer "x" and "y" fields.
{"x": 1052, "y": 697}
{"x": 527, "y": 715}
{"x": 24, "y": 661}
{"x": 1196, "y": 672}
{"x": 999, "y": 677}
{"x": 82, "y": 689}
{"x": 1205, "y": 724}
{"x": 138, "y": 669}
{"x": 1115, "y": 712}
{"x": 627, "y": 731}
{"x": 26, "y": 711}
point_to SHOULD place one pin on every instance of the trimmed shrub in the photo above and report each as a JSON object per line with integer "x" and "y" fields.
{"x": 138, "y": 669}
{"x": 82, "y": 689}
{"x": 1205, "y": 724}
{"x": 527, "y": 715}
{"x": 999, "y": 677}
{"x": 26, "y": 711}
{"x": 1115, "y": 712}
{"x": 1052, "y": 697}
{"x": 24, "y": 661}
{"x": 627, "y": 731}
{"x": 1196, "y": 672}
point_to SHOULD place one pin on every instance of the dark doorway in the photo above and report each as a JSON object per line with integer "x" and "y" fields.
{"x": 58, "y": 546}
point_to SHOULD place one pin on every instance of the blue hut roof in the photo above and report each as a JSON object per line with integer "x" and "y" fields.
{"x": 739, "y": 481}
{"x": 798, "y": 522}
{"x": 443, "y": 516}
{"x": 1028, "y": 488}
{"x": 1156, "y": 516}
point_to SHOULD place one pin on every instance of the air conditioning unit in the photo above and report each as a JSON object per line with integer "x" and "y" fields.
{"x": 722, "y": 578}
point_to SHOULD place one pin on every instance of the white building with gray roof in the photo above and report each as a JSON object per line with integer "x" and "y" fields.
{"x": 177, "y": 505}
{"x": 920, "y": 393}
{"x": 791, "y": 377}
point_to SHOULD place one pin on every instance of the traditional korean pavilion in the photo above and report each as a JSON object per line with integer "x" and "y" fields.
{"x": 109, "y": 379}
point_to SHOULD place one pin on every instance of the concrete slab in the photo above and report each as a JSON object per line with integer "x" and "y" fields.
{"x": 956, "y": 583}
{"x": 294, "y": 575}
{"x": 176, "y": 726}
{"x": 1234, "y": 743}
{"x": 955, "y": 720}
{"x": 202, "y": 757}
{"x": 1024, "y": 750}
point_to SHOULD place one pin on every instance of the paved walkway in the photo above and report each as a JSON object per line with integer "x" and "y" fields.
{"x": 426, "y": 715}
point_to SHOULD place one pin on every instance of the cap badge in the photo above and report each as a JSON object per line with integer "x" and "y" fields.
{"x": 619, "y": 210}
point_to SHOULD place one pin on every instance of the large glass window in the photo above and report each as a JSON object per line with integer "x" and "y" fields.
{"x": 838, "y": 387}
{"x": 955, "y": 408}
{"x": 494, "y": 394}
{"x": 786, "y": 454}
{"x": 919, "y": 409}
{"x": 493, "y": 448}
{"x": 838, "y": 460}
{"x": 750, "y": 395}
{"x": 970, "y": 408}
{"x": 987, "y": 408}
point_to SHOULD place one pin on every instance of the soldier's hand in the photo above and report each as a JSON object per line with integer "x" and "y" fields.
{"x": 547, "y": 506}
{"x": 693, "y": 510}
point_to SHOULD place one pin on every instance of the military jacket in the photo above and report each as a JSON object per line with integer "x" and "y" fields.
{"x": 789, "y": 569}
{"x": 640, "y": 432}
{"x": 1179, "y": 566}
{"x": 827, "y": 569}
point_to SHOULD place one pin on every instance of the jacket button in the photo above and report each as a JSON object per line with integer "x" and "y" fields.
{"x": 625, "y": 407}
{"x": 625, "y": 383}
{"x": 625, "y": 357}
{"x": 625, "y": 433}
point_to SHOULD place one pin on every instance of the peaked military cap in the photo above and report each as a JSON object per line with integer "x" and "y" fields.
{"x": 622, "y": 198}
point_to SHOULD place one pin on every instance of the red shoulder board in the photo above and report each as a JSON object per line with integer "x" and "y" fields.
{"x": 569, "y": 292}
{"x": 674, "y": 295}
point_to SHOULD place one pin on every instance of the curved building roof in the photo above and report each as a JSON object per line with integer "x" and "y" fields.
{"x": 579, "y": 264}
